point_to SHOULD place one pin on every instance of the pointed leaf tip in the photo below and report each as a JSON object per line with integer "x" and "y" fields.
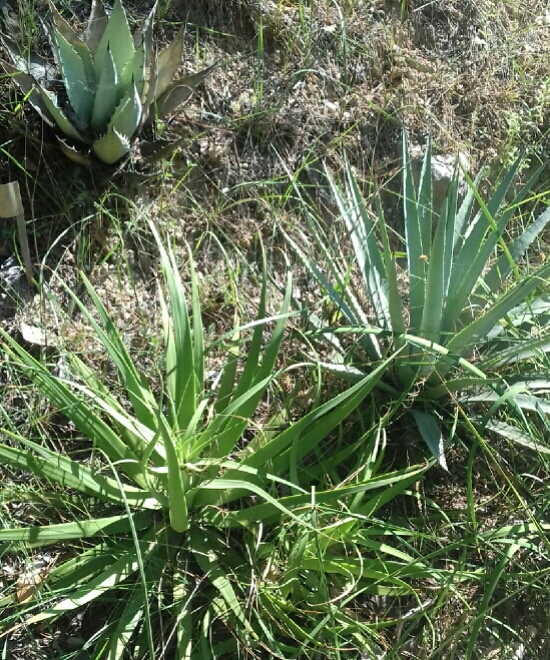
{"x": 431, "y": 434}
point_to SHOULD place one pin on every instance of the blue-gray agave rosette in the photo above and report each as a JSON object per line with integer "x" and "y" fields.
{"x": 106, "y": 85}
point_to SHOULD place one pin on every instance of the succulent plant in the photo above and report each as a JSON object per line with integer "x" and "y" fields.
{"x": 106, "y": 85}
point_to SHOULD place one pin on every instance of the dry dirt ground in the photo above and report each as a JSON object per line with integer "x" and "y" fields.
{"x": 298, "y": 83}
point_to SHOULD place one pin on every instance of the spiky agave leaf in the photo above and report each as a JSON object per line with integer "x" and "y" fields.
{"x": 179, "y": 91}
{"x": 106, "y": 97}
{"x": 75, "y": 70}
{"x": 115, "y": 144}
{"x": 116, "y": 39}
{"x": 60, "y": 25}
{"x": 97, "y": 23}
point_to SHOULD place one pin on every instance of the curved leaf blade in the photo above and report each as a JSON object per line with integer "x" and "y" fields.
{"x": 106, "y": 96}
{"x": 77, "y": 83}
{"x": 116, "y": 39}
{"x": 431, "y": 434}
{"x": 97, "y": 23}
{"x": 168, "y": 62}
{"x": 180, "y": 90}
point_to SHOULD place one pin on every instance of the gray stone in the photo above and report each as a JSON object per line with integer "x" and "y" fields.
{"x": 444, "y": 167}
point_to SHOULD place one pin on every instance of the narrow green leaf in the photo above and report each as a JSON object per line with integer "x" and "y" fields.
{"x": 483, "y": 234}
{"x": 440, "y": 268}
{"x": 75, "y": 409}
{"x": 96, "y": 588}
{"x": 68, "y": 473}
{"x": 270, "y": 511}
{"x": 425, "y": 207}
{"x": 179, "y": 519}
{"x": 339, "y": 293}
{"x": 517, "y": 395}
{"x": 502, "y": 267}
{"x": 365, "y": 245}
{"x": 514, "y": 434}
{"x": 395, "y": 306}
{"x": 48, "y": 534}
{"x": 481, "y": 326}
{"x": 225, "y": 430}
{"x": 129, "y": 621}
{"x": 136, "y": 385}
{"x": 210, "y": 565}
{"x": 184, "y": 360}
{"x": 416, "y": 250}
{"x": 309, "y": 431}
{"x": 464, "y": 213}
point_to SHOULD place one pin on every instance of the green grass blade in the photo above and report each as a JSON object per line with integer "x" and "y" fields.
{"x": 78, "y": 411}
{"x": 59, "y": 533}
{"x": 226, "y": 429}
{"x": 109, "y": 579}
{"x": 136, "y": 386}
{"x": 499, "y": 271}
{"x": 339, "y": 293}
{"x": 45, "y": 464}
{"x": 270, "y": 511}
{"x": 309, "y": 431}
{"x": 208, "y": 561}
{"x": 184, "y": 344}
{"x": 416, "y": 250}
{"x": 481, "y": 326}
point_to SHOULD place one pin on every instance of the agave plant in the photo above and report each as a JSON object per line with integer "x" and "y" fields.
{"x": 455, "y": 311}
{"x": 106, "y": 85}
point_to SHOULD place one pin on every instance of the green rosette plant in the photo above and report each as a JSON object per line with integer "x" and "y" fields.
{"x": 456, "y": 306}
{"x": 106, "y": 85}
{"x": 195, "y": 528}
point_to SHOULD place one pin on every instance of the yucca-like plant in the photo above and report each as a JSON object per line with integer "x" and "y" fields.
{"x": 106, "y": 85}
{"x": 194, "y": 507}
{"x": 455, "y": 311}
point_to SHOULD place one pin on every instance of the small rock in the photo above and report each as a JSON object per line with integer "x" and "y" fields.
{"x": 443, "y": 170}
{"x": 14, "y": 290}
